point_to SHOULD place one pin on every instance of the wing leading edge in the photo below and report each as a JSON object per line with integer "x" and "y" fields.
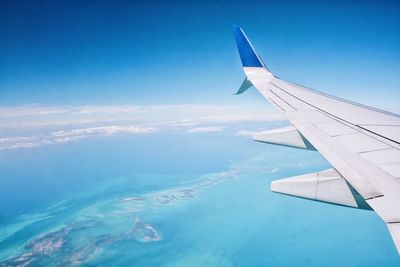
{"x": 361, "y": 143}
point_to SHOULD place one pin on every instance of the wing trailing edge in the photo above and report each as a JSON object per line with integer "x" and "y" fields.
{"x": 325, "y": 186}
{"x": 286, "y": 136}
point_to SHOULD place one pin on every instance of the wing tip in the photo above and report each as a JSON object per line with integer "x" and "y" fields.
{"x": 248, "y": 55}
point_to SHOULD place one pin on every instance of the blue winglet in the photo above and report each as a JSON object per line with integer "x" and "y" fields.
{"x": 247, "y": 53}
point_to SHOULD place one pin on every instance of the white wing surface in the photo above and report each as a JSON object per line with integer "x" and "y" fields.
{"x": 361, "y": 143}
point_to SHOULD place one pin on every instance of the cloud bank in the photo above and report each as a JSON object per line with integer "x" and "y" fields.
{"x": 67, "y": 136}
{"x": 204, "y": 130}
{"x": 34, "y": 125}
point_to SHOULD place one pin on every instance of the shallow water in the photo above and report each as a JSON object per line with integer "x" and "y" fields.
{"x": 182, "y": 218}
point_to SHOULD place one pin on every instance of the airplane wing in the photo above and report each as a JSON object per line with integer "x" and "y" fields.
{"x": 361, "y": 143}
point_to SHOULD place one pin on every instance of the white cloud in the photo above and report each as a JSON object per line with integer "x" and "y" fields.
{"x": 56, "y": 124}
{"x": 246, "y": 133}
{"x": 105, "y": 130}
{"x": 71, "y": 135}
{"x": 107, "y": 109}
{"x": 185, "y": 114}
{"x": 29, "y": 110}
{"x": 204, "y": 129}
{"x": 275, "y": 169}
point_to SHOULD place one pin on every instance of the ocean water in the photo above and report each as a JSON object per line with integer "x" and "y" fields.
{"x": 172, "y": 200}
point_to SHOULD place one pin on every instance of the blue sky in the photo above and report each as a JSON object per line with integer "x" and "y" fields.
{"x": 121, "y": 52}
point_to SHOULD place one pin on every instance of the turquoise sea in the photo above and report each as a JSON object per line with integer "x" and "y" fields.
{"x": 171, "y": 200}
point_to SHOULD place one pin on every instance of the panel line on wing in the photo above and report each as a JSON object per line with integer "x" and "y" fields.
{"x": 283, "y": 100}
{"x": 275, "y": 104}
{"x": 332, "y": 115}
{"x": 365, "y": 129}
{"x": 336, "y": 135}
{"x": 342, "y": 99}
{"x": 374, "y": 150}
